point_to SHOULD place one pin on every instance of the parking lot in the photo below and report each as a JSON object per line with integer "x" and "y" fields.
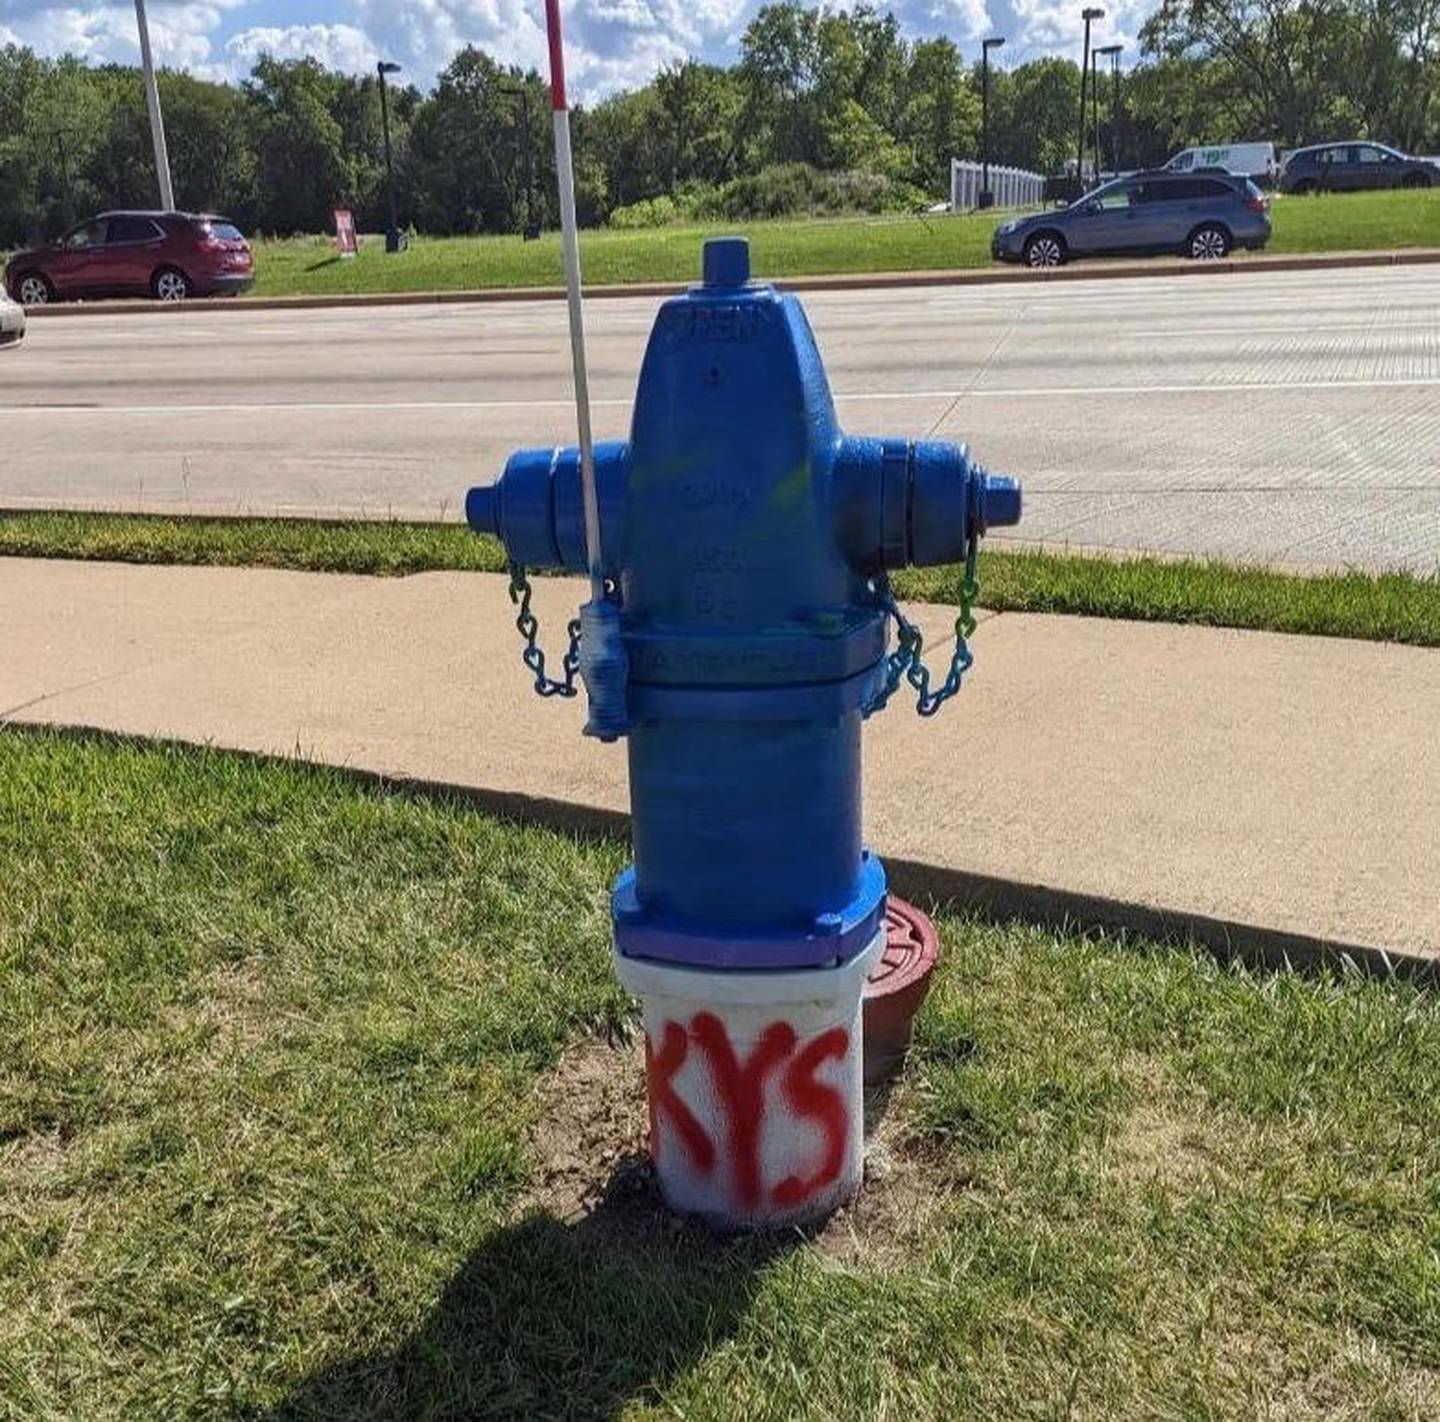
{"x": 1286, "y": 417}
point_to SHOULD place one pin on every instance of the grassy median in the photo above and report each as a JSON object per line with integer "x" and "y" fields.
{"x": 1393, "y": 607}
{"x": 321, "y": 1101}
{"x": 796, "y": 247}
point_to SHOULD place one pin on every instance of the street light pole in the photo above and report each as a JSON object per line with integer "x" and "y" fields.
{"x": 394, "y": 238}
{"x": 157, "y": 119}
{"x": 1095, "y": 106}
{"x": 1090, "y": 12}
{"x": 1113, "y": 52}
{"x": 987, "y": 198}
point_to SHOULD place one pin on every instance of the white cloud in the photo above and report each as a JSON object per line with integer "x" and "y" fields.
{"x": 342, "y": 47}
{"x": 610, "y": 44}
{"x": 960, "y": 19}
{"x": 1055, "y": 26}
{"x": 180, "y": 33}
{"x": 424, "y": 35}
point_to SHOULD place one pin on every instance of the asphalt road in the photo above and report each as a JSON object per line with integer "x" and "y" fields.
{"x": 1291, "y": 418}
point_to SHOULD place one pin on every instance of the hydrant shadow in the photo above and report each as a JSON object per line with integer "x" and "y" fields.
{"x": 556, "y": 1319}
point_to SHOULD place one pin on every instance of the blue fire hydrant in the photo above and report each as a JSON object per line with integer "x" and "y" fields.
{"x": 747, "y": 545}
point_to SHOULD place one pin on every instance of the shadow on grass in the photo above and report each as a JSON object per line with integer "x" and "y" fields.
{"x": 323, "y": 262}
{"x": 557, "y": 1320}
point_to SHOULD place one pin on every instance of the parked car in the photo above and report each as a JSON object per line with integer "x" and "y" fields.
{"x": 1350, "y": 167}
{"x": 1202, "y": 216}
{"x": 167, "y": 255}
{"x": 12, "y": 322}
{"x": 1245, "y": 160}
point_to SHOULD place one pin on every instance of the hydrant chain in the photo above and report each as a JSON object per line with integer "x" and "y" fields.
{"x": 533, "y": 656}
{"x": 907, "y": 662}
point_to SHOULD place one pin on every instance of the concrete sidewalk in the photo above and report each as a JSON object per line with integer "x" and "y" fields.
{"x": 1279, "y": 793}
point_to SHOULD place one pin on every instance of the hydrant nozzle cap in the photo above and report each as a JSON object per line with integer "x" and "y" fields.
{"x": 999, "y": 502}
{"x": 726, "y": 261}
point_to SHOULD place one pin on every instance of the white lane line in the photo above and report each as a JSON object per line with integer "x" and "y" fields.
{"x": 1046, "y": 392}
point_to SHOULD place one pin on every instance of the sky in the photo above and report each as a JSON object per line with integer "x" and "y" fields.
{"x": 610, "y": 44}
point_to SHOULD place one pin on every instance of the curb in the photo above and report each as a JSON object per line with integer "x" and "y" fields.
{"x": 839, "y": 281}
{"x": 936, "y": 885}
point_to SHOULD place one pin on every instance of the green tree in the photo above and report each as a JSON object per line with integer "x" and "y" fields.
{"x": 627, "y": 136}
{"x": 1280, "y": 63}
{"x": 468, "y": 164}
{"x": 302, "y": 167}
{"x": 1035, "y": 114}
{"x": 701, "y": 109}
{"x": 939, "y": 117}
{"x": 209, "y": 130}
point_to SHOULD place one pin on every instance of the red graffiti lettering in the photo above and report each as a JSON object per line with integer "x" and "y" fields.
{"x": 741, "y": 1090}
{"x": 660, "y": 1069}
{"x": 813, "y": 1100}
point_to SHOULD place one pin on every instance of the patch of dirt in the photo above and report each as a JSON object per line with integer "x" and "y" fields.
{"x": 907, "y": 1184}
{"x": 593, "y": 1168}
{"x": 592, "y": 1122}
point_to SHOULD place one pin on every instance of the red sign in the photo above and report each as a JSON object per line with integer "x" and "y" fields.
{"x": 345, "y": 240}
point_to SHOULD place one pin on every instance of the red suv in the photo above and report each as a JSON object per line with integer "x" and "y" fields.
{"x": 167, "y": 255}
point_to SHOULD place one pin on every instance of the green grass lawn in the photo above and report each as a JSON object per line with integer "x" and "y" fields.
{"x": 309, "y": 266}
{"x": 320, "y": 1102}
{"x": 1394, "y": 607}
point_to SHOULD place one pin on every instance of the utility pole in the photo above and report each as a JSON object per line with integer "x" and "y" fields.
{"x": 1113, "y": 51}
{"x": 1090, "y": 12}
{"x": 394, "y": 238}
{"x": 157, "y": 119}
{"x": 987, "y": 198}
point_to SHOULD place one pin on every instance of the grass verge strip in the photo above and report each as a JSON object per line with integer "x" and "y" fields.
{"x": 787, "y": 247}
{"x": 1379, "y": 607}
{"x": 318, "y": 1100}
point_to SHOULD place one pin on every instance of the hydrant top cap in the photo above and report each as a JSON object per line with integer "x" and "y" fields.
{"x": 726, "y": 261}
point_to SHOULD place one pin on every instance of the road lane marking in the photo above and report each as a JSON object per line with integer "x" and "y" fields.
{"x": 1046, "y": 392}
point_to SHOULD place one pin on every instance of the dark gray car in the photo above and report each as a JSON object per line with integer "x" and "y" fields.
{"x": 1354, "y": 167}
{"x": 1198, "y": 215}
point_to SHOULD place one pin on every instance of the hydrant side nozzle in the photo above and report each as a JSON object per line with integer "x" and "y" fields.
{"x": 482, "y": 509}
{"x": 535, "y": 508}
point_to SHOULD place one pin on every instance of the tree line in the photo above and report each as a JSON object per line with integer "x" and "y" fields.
{"x": 814, "y": 92}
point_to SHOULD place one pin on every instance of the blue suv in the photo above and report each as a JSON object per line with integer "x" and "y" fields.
{"x": 1200, "y": 215}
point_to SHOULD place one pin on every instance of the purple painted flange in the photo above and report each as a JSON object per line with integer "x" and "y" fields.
{"x": 833, "y": 939}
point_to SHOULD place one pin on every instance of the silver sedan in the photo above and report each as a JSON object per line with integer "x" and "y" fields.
{"x": 12, "y": 322}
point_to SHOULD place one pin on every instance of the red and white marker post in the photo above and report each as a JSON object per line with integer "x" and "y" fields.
{"x": 570, "y": 245}
{"x": 603, "y": 663}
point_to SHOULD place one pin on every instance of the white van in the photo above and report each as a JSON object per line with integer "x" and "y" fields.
{"x": 1245, "y": 160}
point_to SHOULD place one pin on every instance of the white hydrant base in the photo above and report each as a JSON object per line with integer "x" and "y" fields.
{"x": 754, "y": 1080}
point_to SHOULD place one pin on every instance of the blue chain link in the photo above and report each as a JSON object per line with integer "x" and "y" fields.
{"x": 907, "y": 661}
{"x": 532, "y": 656}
